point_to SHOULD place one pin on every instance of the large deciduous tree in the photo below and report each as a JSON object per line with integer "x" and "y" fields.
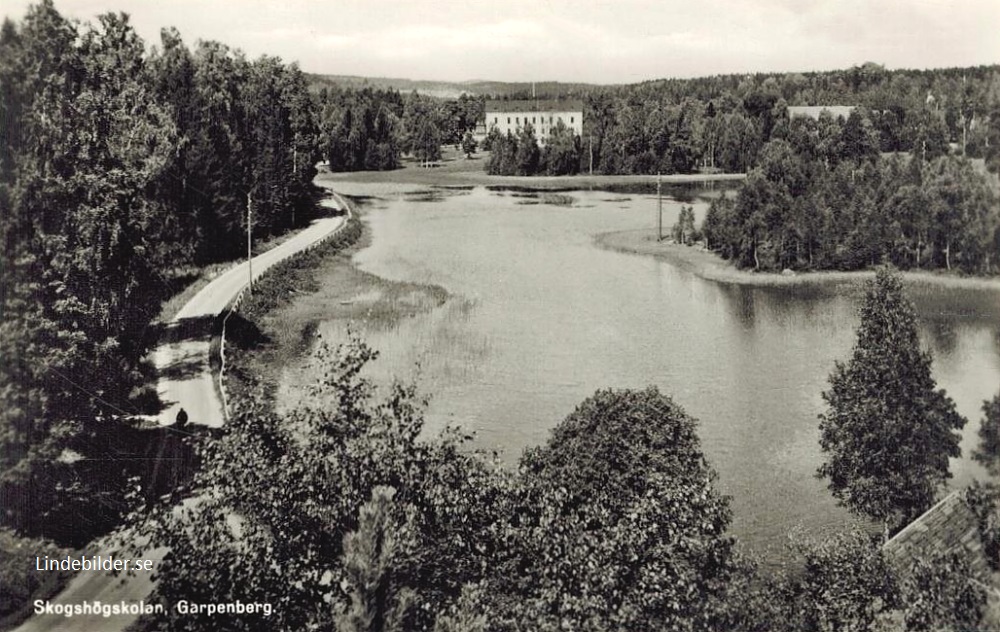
{"x": 616, "y": 524}
{"x": 561, "y": 155}
{"x": 888, "y": 431}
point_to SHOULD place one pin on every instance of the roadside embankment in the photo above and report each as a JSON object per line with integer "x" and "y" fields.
{"x": 275, "y": 330}
{"x": 708, "y": 265}
{"x": 246, "y": 331}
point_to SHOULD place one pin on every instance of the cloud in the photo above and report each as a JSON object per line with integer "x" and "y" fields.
{"x": 574, "y": 40}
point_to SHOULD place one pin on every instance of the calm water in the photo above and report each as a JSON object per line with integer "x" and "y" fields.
{"x": 540, "y": 318}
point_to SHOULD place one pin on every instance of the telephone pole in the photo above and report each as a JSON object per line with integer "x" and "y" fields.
{"x": 249, "y": 244}
{"x": 659, "y": 207}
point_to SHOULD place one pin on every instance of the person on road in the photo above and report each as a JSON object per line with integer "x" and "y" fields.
{"x": 182, "y": 418}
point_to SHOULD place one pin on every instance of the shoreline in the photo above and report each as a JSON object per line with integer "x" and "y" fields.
{"x": 454, "y": 169}
{"x": 333, "y": 289}
{"x": 711, "y": 267}
{"x": 431, "y": 177}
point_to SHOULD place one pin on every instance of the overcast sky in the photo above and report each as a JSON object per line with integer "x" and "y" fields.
{"x": 595, "y": 42}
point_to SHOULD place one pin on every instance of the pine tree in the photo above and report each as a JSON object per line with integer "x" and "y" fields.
{"x": 888, "y": 432}
{"x": 988, "y": 452}
{"x": 370, "y": 555}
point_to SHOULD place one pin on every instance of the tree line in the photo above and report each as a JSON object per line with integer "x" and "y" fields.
{"x": 119, "y": 168}
{"x": 370, "y": 129}
{"x": 521, "y": 155}
{"x": 837, "y": 205}
{"x": 715, "y": 123}
{"x": 722, "y": 122}
{"x": 614, "y": 523}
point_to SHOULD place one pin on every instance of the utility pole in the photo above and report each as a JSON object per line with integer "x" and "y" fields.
{"x": 659, "y": 207}
{"x": 591, "y": 154}
{"x": 249, "y": 243}
{"x": 964, "y": 137}
{"x": 295, "y": 172}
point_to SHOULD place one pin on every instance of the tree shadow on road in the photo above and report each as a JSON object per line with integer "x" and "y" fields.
{"x": 186, "y": 329}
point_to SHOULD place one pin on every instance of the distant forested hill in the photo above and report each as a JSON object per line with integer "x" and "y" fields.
{"x": 449, "y": 89}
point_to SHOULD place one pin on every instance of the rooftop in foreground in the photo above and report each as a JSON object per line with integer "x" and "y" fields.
{"x": 948, "y": 527}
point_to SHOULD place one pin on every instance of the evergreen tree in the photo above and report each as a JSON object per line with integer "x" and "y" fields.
{"x": 888, "y": 432}
{"x": 371, "y": 555}
{"x": 988, "y": 452}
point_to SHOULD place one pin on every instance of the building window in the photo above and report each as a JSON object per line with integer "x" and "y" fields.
{"x": 550, "y": 120}
{"x": 508, "y": 120}
{"x": 533, "y": 119}
{"x": 517, "y": 120}
{"x": 494, "y": 120}
{"x": 571, "y": 119}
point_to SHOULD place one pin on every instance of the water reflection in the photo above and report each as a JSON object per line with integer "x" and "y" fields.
{"x": 942, "y": 335}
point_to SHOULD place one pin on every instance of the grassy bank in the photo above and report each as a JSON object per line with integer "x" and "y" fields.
{"x": 709, "y": 265}
{"x": 277, "y": 327}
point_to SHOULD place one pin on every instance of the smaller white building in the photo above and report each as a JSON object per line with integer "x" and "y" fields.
{"x": 542, "y": 115}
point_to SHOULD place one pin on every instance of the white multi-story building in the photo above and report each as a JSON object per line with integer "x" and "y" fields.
{"x": 542, "y": 115}
{"x": 814, "y": 111}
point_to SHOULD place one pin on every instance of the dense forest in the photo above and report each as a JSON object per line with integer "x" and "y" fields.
{"x": 848, "y": 208}
{"x": 369, "y": 129}
{"x": 119, "y": 168}
{"x": 722, "y": 122}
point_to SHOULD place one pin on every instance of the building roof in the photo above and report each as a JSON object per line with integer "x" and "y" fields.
{"x": 946, "y": 527}
{"x": 533, "y": 105}
{"x": 813, "y": 111}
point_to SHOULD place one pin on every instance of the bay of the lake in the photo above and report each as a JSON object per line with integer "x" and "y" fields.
{"x": 539, "y": 317}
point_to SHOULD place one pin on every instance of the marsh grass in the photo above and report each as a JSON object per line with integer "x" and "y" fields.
{"x": 291, "y": 301}
{"x": 283, "y": 282}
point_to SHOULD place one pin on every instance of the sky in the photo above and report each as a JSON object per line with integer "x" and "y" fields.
{"x": 581, "y": 41}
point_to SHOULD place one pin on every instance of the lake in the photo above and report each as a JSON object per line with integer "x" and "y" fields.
{"x": 539, "y": 317}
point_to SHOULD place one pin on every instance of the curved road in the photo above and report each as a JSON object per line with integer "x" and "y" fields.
{"x": 186, "y": 379}
{"x": 182, "y": 361}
